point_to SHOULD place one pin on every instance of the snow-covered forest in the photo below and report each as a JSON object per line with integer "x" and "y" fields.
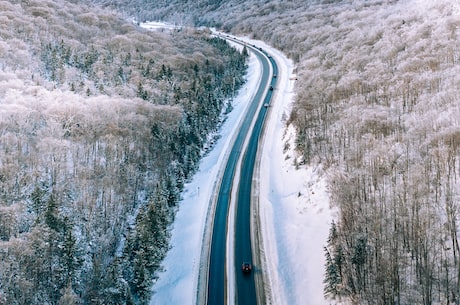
{"x": 101, "y": 122}
{"x": 377, "y": 107}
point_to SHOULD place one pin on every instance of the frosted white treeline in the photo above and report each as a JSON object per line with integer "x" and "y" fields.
{"x": 376, "y": 106}
{"x": 100, "y": 123}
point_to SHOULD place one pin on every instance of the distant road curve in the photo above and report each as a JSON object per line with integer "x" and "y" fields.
{"x": 249, "y": 133}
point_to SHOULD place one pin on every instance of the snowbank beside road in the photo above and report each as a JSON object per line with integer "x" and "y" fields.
{"x": 177, "y": 283}
{"x": 293, "y": 204}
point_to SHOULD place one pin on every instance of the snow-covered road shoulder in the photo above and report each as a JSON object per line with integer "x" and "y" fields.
{"x": 294, "y": 209}
{"x": 178, "y": 282}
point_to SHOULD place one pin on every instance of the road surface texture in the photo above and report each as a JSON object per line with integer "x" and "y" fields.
{"x": 217, "y": 278}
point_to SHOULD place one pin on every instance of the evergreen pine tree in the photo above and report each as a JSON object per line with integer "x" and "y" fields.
{"x": 331, "y": 278}
{"x": 334, "y": 259}
{"x": 245, "y": 51}
{"x": 51, "y": 214}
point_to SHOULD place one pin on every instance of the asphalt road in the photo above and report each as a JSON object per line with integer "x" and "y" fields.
{"x": 246, "y": 293}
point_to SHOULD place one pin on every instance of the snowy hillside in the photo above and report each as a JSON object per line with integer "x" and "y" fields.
{"x": 89, "y": 103}
{"x": 101, "y": 123}
{"x": 377, "y": 108}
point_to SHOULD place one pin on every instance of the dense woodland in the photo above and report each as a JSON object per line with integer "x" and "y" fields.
{"x": 101, "y": 123}
{"x": 377, "y": 107}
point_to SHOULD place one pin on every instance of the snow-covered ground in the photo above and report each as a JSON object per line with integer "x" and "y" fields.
{"x": 294, "y": 207}
{"x": 293, "y": 204}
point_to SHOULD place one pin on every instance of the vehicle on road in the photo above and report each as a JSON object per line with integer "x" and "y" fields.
{"x": 246, "y": 267}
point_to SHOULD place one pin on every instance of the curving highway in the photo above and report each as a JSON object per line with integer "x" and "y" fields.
{"x": 251, "y": 129}
{"x": 246, "y": 291}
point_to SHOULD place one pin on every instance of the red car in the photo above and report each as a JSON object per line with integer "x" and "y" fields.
{"x": 246, "y": 267}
